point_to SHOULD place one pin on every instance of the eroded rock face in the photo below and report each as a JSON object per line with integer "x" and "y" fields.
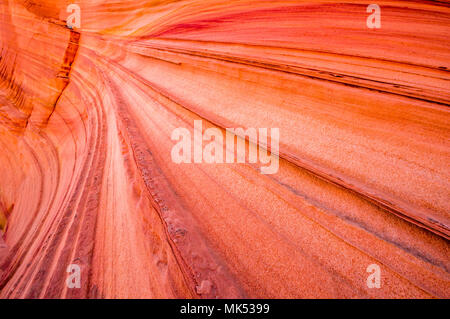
{"x": 87, "y": 115}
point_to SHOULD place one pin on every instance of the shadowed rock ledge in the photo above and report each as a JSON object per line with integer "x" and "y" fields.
{"x": 86, "y": 117}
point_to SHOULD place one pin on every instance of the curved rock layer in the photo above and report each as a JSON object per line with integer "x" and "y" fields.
{"x": 86, "y": 117}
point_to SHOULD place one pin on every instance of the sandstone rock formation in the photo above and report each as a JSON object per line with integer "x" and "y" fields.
{"x": 86, "y": 117}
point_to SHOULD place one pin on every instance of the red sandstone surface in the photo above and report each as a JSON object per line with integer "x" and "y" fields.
{"x": 86, "y": 176}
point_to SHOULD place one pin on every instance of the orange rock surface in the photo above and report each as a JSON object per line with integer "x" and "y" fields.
{"x": 86, "y": 117}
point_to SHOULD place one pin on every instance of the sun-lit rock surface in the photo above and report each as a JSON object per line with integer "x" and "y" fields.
{"x": 86, "y": 117}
